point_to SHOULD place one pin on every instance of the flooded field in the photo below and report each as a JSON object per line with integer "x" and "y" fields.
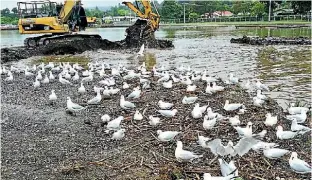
{"x": 287, "y": 69}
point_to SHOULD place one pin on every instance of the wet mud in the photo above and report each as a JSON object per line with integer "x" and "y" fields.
{"x": 41, "y": 141}
{"x": 272, "y": 41}
{"x": 137, "y": 34}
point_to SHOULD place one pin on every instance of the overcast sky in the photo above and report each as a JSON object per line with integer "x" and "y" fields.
{"x": 86, "y": 3}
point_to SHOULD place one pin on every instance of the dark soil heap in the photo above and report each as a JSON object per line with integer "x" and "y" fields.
{"x": 41, "y": 141}
{"x": 272, "y": 41}
{"x": 137, "y": 34}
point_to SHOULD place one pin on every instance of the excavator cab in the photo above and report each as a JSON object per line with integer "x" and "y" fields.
{"x": 37, "y": 9}
{"x": 51, "y": 19}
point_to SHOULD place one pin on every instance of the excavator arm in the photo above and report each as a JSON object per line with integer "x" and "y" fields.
{"x": 152, "y": 18}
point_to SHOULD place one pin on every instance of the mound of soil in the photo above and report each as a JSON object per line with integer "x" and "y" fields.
{"x": 41, "y": 141}
{"x": 272, "y": 41}
{"x": 137, "y": 34}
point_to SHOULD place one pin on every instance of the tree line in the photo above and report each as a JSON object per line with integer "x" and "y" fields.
{"x": 173, "y": 9}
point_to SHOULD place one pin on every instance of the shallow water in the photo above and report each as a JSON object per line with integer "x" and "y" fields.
{"x": 286, "y": 69}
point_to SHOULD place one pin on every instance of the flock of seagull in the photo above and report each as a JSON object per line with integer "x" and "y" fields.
{"x": 67, "y": 74}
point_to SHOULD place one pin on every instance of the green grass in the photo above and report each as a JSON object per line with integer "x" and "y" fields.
{"x": 81, "y": 60}
{"x": 298, "y": 22}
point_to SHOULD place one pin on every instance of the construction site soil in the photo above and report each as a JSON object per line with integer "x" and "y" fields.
{"x": 272, "y": 40}
{"x": 137, "y": 34}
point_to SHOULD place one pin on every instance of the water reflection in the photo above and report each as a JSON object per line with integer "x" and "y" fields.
{"x": 150, "y": 60}
{"x": 279, "y": 32}
{"x": 287, "y": 70}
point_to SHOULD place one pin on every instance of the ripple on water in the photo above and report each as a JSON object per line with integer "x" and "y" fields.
{"x": 284, "y": 68}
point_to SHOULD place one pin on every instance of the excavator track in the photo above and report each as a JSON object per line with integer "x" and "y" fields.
{"x": 40, "y": 41}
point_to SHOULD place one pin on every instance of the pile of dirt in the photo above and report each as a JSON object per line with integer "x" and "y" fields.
{"x": 137, "y": 34}
{"x": 272, "y": 41}
{"x": 42, "y": 141}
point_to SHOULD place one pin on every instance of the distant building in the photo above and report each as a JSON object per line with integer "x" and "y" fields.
{"x": 217, "y": 14}
{"x": 283, "y": 12}
{"x": 222, "y": 13}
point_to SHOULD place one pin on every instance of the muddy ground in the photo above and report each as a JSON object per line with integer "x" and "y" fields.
{"x": 41, "y": 141}
{"x": 272, "y": 40}
{"x": 137, "y": 34}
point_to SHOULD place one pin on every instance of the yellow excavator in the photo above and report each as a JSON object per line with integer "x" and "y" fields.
{"x": 56, "y": 21}
{"x": 59, "y": 22}
{"x": 152, "y": 19}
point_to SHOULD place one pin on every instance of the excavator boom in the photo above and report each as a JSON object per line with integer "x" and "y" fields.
{"x": 152, "y": 18}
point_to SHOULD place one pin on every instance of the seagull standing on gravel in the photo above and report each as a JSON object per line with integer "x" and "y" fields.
{"x": 227, "y": 168}
{"x": 285, "y": 134}
{"x": 63, "y": 81}
{"x": 257, "y": 102}
{"x": 168, "y": 113}
{"x": 166, "y": 136}
{"x": 140, "y": 53}
{"x": 164, "y": 105}
{"x": 153, "y": 121}
{"x": 36, "y": 83}
{"x": 234, "y": 120}
{"x": 296, "y": 110}
{"x": 118, "y": 135}
{"x": 270, "y": 120}
{"x": 298, "y": 165}
{"x": 261, "y": 86}
{"x": 51, "y": 76}
{"x": 10, "y": 78}
{"x": 81, "y": 89}
{"x": 232, "y": 107}
{"x": 137, "y": 115}
{"x": 233, "y": 80}
{"x": 75, "y": 77}
{"x": 189, "y": 100}
{"x": 45, "y": 80}
{"x": 298, "y": 127}
{"x": 27, "y": 73}
{"x": 197, "y": 112}
{"x": 183, "y": 155}
{"x": 126, "y": 104}
{"x": 202, "y": 141}
{"x": 135, "y": 94}
{"x": 39, "y": 76}
{"x": 105, "y": 118}
{"x": 299, "y": 117}
{"x": 97, "y": 99}
{"x": 274, "y": 153}
{"x": 115, "y": 123}
{"x": 73, "y": 107}
{"x": 125, "y": 85}
{"x": 167, "y": 85}
{"x": 261, "y": 96}
{"x": 246, "y": 131}
{"x": 209, "y": 124}
{"x": 52, "y": 96}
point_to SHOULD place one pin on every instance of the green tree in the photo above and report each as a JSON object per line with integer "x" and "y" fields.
{"x": 193, "y": 15}
{"x": 241, "y": 7}
{"x": 274, "y": 4}
{"x": 171, "y": 9}
{"x": 301, "y": 7}
{"x": 14, "y": 10}
{"x": 5, "y": 11}
{"x": 122, "y": 12}
{"x": 258, "y": 9}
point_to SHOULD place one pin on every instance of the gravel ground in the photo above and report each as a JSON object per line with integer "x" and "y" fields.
{"x": 42, "y": 141}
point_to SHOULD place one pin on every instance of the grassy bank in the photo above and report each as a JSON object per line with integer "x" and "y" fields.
{"x": 240, "y": 23}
